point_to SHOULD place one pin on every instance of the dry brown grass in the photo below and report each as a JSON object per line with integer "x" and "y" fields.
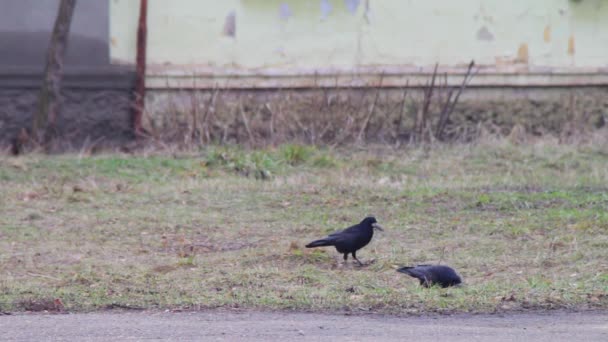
{"x": 524, "y": 223}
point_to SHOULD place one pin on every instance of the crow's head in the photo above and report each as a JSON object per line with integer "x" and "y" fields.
{"x": 370, "y": 221}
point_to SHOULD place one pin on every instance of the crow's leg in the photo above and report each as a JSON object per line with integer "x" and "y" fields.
{"x": 426, "y": 282}
{"x": 345, "y": 260}
{"x": 355, "y": 257}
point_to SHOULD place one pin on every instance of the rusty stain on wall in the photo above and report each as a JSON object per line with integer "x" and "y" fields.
{"x": 571, "y": 45}
{"x": 230, "y": 24}
{"x": 547, "y": 34}
{"x": 484, "y": 34}
{"x": 522, "y": 53}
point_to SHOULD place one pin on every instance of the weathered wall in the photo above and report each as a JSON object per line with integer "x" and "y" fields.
{"x": 87, "y": 117}
{"x": 279, "y": 38}
{"x": 96, "y": 105}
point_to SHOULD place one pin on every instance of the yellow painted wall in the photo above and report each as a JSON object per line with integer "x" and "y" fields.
{"x": 302, "y": 36}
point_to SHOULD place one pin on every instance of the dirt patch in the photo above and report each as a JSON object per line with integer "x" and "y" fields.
{"x": 41, "y": 305}
{"x": 178, "y": 244}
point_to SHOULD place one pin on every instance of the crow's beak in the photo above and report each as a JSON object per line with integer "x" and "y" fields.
{"x": 377, "y": 226}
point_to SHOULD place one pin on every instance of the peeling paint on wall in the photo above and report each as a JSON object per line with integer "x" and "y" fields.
{"x": 230, "y": 24}
{"x": 326, "y": 9}
{"x": 352, "y": 5}
{"x": 484, "y": 34}
{"x": 571, "y": 47}
{"x": 522, "y": 54}
{"x": 285, "y": 11}
{"x": 547, "y": 34}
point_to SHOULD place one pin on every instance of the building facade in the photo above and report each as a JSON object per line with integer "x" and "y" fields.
{"x": 295, "y": 43}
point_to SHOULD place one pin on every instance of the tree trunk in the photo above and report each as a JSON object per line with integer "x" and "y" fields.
{"x": 44, "y": 125}
{"x": 140, "y": 83}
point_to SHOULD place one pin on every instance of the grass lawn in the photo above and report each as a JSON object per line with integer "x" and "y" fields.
{"x": 525, "y": 226}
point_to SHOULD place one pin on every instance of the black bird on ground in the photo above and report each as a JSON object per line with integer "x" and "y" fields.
{"x": 430, "y": 275}
{"x": 351, "y": 239}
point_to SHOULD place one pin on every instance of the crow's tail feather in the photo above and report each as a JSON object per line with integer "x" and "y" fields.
{"x": 321, "y": 243}
{"x": 405, "y": 269}
{"x": 413, "y": 272}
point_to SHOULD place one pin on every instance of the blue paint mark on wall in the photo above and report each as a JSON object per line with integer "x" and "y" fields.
{"x": 352, "y": 5}
{"x": 285, "y": 11}
{"x": 326, "y": 9}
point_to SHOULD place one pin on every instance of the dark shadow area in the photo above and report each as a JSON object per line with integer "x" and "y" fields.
{"x": 29, "y": 49}
{"x": 97, "y": 96}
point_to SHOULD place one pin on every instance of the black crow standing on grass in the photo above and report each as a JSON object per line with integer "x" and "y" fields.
{"x": 430, "y": 275}
{"x": 351, "y": 239}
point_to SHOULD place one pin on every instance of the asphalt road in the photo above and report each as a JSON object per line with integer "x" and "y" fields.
{"x": 282, "y": 326}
